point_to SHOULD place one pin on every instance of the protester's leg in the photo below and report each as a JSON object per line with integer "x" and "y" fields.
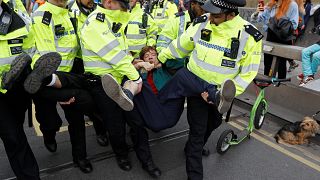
{"x": 197, "y": 115}
{"x": 158, "y": 116}
{"x": 307, "y": 60}
{"x": 185, "y": 84}
{"x": 21, "y": 158}
{"x": 315, "y": 62}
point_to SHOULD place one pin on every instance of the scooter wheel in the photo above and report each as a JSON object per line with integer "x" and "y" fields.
{"x": 223, "y": 143}
{"x": 260, "y": 115}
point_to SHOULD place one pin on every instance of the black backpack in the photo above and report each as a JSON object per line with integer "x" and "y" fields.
{"x": 282, "y": 28}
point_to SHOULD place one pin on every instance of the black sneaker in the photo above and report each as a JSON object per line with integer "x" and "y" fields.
{"x": 45, "y": 66}
{"x": 225, "y": 96}
{"x": 121, "y": 96}
{"x": 17, "y": 66}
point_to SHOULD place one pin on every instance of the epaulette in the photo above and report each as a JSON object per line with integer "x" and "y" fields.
{"x": 100, "y": 17}
{"x": 200, "y": 19}
{"x": 178, "y": 14}
{"x": 46, "y": 19}
{"x": 255, "y": 33}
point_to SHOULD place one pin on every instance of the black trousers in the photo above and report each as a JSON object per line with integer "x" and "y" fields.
{"x": 115, "y": 120}
{"x": 46, "y": 113}
{"x": 203, "y": 119}
{"x": 13, "y": 106}
{"x": 282, "y": 67}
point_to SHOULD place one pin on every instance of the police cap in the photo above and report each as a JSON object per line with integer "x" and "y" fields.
{"x": 220, "y": 6}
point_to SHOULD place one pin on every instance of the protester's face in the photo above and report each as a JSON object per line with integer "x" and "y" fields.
{"x": 87, "y": 3}
{"x": 196, "y": 8}
{"x": 151, "y": 57}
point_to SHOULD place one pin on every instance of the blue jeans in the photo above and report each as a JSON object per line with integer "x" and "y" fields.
{"x": 310, "y": 60}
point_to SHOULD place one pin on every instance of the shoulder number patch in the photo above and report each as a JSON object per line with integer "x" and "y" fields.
{"x": 257, "y": 35}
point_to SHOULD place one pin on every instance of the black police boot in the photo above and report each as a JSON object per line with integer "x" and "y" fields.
{"x": 84, "y": 165}
{"x": 17, "y": 67}
{"x": 50, "y": 142}
{"x": 44, "y": 67}
{"x": 124, "y": 163}
{"x": 152, "y": 169}
{"x": 103, "y": 140}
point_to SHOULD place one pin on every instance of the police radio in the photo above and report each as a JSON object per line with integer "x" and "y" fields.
{"x": 5, "y": 21}
{"x": 144, "y": 21}
{"x": 235, "y": 43}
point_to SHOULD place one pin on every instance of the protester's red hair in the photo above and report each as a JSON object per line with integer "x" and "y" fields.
{"x": 282, "y": 9}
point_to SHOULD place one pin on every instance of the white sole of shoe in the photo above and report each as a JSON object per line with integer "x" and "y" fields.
{"x": 114, "y": 91}
{"x": 227, "y": 94}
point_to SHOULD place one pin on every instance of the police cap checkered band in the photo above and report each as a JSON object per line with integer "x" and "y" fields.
{"x": 219, "y": 6}
{"x": 223, "y": 4}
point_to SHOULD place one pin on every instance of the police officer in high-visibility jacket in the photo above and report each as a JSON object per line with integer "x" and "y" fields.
{"x": 56, "y": 47}
{"x": 15, "y": 42}
{"x": 161, "y": 10}
{"x": 80, "y": 9}
{"x": 17, "y": 4}
{"x": 109, "y": 58}
{"x": 223, "y": 46}
{"x": 141, "y": 30}
{"x": 175, "y": 27}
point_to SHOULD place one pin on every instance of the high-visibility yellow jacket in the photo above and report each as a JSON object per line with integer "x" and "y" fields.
{"x": 174, "y": 28}
{"x": 162, "y": 11}
{"x": 80, "y": 17}
{"x": 16, "y": 41}
{"x": 208, "y": 60}
{"x": 55, "y": 34}
{"x": 17, "y": 5}
{"x": 139, "y": 36}
{"x": 105, "y": 51}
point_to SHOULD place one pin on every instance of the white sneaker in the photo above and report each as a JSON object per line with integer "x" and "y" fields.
{"x": 227, "y": 94}
{"x": 121, "y": 96}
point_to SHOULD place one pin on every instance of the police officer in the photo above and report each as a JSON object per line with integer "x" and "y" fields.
{"x": 15, "y": 41}
{"x": 80, "y": 9}
{"x": 161, "y": 10}
{"x": 54, "y": 32}
{"x": 141, "y": 30}
{"x": 175, "y": 27}
{"x": 222, "y": 46}
{"x": 108, "y": 24}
